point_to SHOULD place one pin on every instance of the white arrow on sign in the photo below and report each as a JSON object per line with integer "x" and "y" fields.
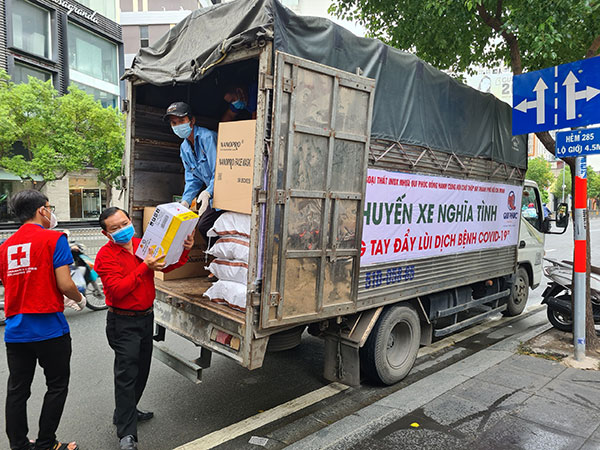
{"x": 588, "y": 93}
{"x": 538, "y": 103}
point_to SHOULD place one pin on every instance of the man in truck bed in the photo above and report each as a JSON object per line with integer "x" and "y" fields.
{"x": 198, "y": 154}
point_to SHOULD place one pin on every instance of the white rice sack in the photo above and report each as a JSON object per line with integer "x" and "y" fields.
{"x": 228, "y": 293}
{"x": 231, "y": 248}
{"x": 230, "y": 270}
{"x": 231, "y": 224}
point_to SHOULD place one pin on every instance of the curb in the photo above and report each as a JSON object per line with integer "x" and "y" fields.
{"x": 351, "y": 429}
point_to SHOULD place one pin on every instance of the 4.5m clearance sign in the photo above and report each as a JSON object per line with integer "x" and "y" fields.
{"x": 410, "y": 216}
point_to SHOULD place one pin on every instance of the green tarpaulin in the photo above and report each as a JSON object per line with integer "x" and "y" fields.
{"x": 414, "y": 102}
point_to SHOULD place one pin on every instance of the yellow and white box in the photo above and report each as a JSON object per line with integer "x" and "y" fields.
{"x": 170, "y": 224}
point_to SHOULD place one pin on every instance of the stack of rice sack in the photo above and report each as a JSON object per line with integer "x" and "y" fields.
{"x": 230, "y": 266}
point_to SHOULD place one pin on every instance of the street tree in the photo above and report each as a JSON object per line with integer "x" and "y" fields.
{"x": 557, "y": 186}
{"x": 593, "y": 180}
{"x": 538, "y": 170}
{"x": 525, "y": 35}
{"x": 45, "y": 134}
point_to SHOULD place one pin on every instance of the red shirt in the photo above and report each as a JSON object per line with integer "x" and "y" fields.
{"x": 127, "y": 280}
{"x": 27, "y": 271}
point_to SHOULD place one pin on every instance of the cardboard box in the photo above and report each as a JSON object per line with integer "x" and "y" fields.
{"x": 235, "y": 166}
{"x": 199, "y": 242}
{"x": 166, "y": 231}
{"x": 148, "y": 212}
{"x": 193, "y": 268}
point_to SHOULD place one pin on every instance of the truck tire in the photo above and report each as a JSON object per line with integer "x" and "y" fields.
{"x": 285, "y": 340}
{"x": 391, "y": 349}
{"x": 517, "y": 299}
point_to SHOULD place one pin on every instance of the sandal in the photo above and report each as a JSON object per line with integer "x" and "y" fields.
{"x": 60, "y": 446}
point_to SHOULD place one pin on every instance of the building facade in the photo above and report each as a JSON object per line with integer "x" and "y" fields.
{"x": 144, "y": 21}
{"x": 66, "y": 42}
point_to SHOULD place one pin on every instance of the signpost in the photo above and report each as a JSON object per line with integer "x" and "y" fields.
{"x": 578, "y": 142}
{"x": 579, "y": 258}
{"x": 564, "y": 96}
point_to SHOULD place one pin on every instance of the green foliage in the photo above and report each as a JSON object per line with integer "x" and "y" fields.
{"x": 593, "y": 184}
{"x": 457, "y": 35}
{"x": 61, "y": 134}
{"x": 557, "y": 190}
{"x": 538, "y": 170}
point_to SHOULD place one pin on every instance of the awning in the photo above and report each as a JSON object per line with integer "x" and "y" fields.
{"x": 7, "y": 176}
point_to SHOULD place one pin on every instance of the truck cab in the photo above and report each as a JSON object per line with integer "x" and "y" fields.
{"x": 532, "y": 232}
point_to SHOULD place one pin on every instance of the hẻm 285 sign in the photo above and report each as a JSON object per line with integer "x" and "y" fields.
{"x": 411, "y": 216}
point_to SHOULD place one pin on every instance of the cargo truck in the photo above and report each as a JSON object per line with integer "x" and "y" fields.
{"x": 387, "y": 197}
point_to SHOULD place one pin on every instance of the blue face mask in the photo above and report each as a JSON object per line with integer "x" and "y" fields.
{"x": 182, "y": 130}
{"x": 124, "y": 235}
{"x": 239, "y": 105}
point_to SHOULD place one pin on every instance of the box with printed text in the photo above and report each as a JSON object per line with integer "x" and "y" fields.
{"x": 166, "y": 231}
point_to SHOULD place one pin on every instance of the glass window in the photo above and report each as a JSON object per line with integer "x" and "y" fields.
{"x": 21, "y": 72}
{"x": 86, "y": 203}
{"x": 530, "y": 207}
{"x": 105, "y": 7}
{"x": 144, "y": 42}
{"x": 92, "y": 55}
{"x": 107, "y": 99}
{"x": 6, "y": 190}
{"x": 31, "y": 29}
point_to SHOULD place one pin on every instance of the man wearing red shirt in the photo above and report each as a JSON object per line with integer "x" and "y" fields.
{"x": 129, "y": 289}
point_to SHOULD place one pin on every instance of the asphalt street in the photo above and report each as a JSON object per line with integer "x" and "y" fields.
{"x": 229, "y": 394}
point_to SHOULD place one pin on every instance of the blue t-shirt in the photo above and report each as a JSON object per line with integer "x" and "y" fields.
{"x": 41, "y": 327}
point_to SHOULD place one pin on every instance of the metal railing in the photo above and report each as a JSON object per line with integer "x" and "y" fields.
{"x": 91, "y": 238}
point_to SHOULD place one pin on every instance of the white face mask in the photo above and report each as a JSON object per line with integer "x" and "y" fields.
{"x": 53, "y": 220}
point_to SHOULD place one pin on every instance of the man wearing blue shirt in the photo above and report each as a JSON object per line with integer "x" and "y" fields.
{"x": 242, "y": 101}
{"x": 34, "y": 267}
{"x": 198, "y": 154}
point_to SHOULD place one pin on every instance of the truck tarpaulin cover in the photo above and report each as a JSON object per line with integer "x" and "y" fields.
{"x": 414, "y": 102}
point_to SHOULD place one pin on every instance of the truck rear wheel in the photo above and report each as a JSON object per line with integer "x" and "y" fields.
{"x": 519, "y": 294}
{"x": 392, "y": 347}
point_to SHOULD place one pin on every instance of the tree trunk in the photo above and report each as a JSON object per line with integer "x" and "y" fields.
{"x": 590, "y": 330}
{"x": 108, "y": 193}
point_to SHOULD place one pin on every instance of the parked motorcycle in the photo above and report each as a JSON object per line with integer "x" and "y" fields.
{"x": 558, "y": 293}
{"x": 85, "y": 277}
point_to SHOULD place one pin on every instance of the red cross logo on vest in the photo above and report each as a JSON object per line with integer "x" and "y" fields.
{"x": 18, "y": 256}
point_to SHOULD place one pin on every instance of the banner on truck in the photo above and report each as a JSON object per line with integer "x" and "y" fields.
{"x": 410, "y": 216}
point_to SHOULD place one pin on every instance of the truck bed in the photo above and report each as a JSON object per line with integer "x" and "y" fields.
{"x": 191, "y": 290}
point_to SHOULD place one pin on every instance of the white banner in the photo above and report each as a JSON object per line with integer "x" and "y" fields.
{"x": 416, "y": 216}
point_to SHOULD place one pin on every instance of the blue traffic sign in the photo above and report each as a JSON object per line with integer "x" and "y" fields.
{"x": 578, "y": 142}
{"x": 564, "y": 96}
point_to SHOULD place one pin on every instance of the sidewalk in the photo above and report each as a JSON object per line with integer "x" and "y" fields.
{"x": 494, "y": 399}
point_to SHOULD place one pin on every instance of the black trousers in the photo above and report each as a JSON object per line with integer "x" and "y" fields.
{"x": 207, "y": 220}
{"x": 131, "y": 339}
{"x": 54, "y": 356}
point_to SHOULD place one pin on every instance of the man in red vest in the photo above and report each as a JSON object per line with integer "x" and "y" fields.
{"x": 34, "y": 268}
{"x": 129, "y": 289}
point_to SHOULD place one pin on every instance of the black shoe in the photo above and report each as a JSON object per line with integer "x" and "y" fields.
{"x": 144, "y": 415}
{"x": 128, "y": 443}
{"x": 141, "y": 416}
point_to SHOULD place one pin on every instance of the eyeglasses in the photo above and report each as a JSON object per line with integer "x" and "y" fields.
{"x": 51, "y": 208}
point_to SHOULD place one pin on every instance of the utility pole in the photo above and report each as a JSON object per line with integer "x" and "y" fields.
{"x": 563, "y": 183}
{"x": 579, "y": 257}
